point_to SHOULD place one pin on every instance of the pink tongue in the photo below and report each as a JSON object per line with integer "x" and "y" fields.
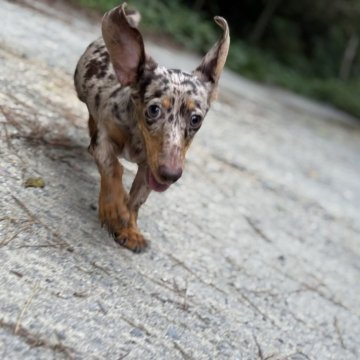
{"x": 154, "y": 184}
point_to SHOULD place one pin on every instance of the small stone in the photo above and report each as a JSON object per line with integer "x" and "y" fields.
{"x": 34, "y": 182}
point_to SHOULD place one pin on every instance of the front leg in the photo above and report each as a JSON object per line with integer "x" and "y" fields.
{"x": 130, "y": 235}
{"x": 113, "y": 210}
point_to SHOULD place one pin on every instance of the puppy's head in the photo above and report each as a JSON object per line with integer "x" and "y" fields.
{"x": 171, "y": 104}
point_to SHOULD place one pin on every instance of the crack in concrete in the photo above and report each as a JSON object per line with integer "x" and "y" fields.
{"x": 34, "y": 340}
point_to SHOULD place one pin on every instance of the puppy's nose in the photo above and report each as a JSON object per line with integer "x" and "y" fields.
{"x": 168, "y": 174}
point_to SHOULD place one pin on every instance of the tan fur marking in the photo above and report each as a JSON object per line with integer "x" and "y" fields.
{"x": 166, "y": 103}
{"x": 190, "y": 104}
{"x": 185, "y": 148}
{"x": 153, "y": 146}
{"x": 117, "y": 135}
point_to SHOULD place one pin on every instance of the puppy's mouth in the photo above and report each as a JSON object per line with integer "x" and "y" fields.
{"x": 154, "y": 184}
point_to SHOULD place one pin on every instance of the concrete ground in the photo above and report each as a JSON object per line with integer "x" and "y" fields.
{"x": 255, "y": 253}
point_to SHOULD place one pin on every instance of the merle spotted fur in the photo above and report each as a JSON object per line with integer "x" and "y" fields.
{"x": 142, "y": 112}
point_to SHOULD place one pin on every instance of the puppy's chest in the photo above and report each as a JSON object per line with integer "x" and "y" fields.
{"x": 121, "y": 117}
{"x": 134, "y": 149}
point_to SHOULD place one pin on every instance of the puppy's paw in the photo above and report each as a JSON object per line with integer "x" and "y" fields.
{"x": 113, "y": 214}
{"x": 131, "y": 238}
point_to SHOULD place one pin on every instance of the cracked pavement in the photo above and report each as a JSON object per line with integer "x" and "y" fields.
{"x": 254, "y": 252}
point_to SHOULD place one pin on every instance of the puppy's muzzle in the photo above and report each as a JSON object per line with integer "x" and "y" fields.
{"x": 168, "y": 174}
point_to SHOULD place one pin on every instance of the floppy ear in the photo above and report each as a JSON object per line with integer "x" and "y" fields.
{"x": 213, "y": 62}
{"x": 125, "y": 45}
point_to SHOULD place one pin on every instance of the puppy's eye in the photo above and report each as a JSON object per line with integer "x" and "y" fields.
{"x": 153, "y": 112}
{"x": 195, "y": 121}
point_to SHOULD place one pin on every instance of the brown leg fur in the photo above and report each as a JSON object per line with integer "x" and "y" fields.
{"x": 116, "y": 212}
{"x": 113, "y": 210}
{"x": 130, "y": 235}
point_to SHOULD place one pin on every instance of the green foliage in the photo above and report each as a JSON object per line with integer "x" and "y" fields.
{"x": 177, "y": 21}
{"x": 173, "y": 19}
{"x": 288, "y": 55}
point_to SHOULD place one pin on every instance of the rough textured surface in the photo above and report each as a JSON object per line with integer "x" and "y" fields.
{"x": 254, "y": 253}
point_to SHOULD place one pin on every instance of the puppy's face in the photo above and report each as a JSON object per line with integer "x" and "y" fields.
{"x": 173, "y": 105}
